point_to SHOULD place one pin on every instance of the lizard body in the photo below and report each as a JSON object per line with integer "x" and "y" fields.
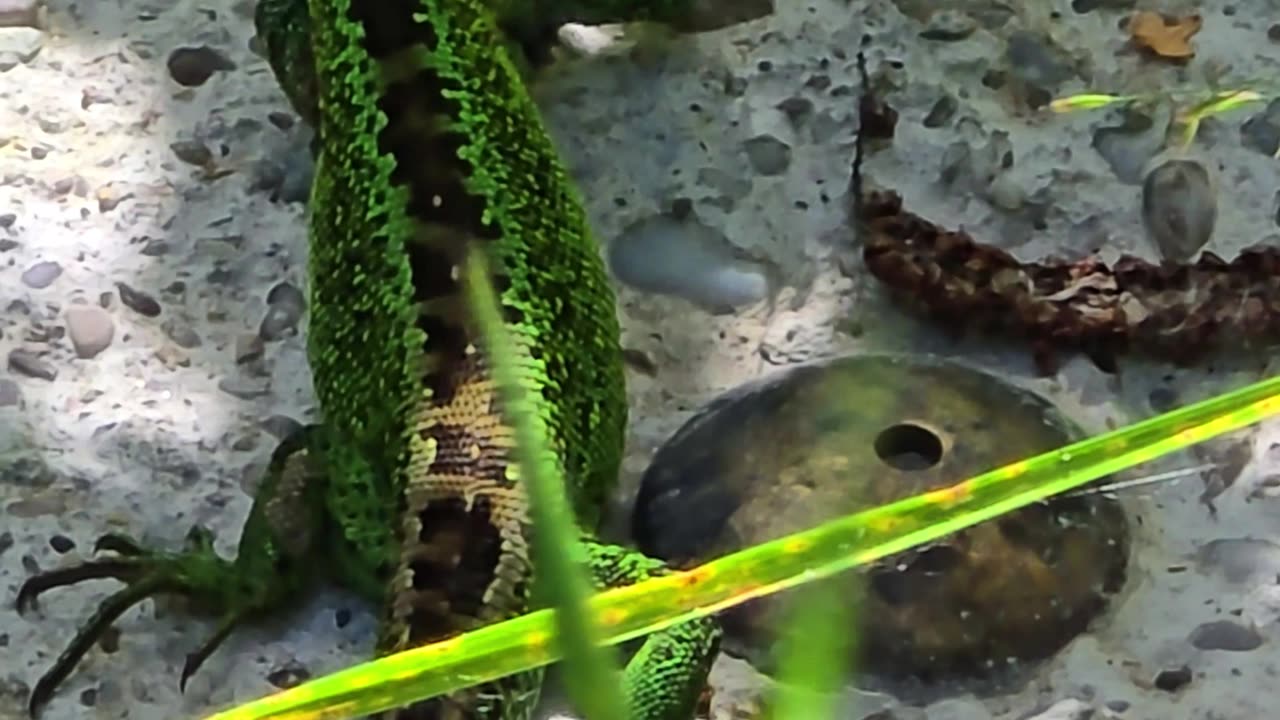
{"x": 429, "y": 145}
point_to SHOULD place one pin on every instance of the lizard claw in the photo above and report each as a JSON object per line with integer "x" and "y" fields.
{"x": 140, "y": 587}
{"x": 144, "y": 573}
{"x": 118, "y": 544}
{"x": 195, "y": 659}
{"x": 36, "y": 585}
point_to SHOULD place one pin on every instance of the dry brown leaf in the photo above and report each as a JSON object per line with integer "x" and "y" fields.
{"x": 1166, "y": 37}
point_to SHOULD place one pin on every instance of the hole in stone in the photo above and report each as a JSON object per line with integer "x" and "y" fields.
{"x": 907, "y": 446}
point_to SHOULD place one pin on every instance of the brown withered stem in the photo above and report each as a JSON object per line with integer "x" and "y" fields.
{"x": 1173, "y": 311}
{"x": 1179, "y": 312}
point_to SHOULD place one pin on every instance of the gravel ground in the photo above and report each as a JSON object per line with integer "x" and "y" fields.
{"x": 152, "y": 262}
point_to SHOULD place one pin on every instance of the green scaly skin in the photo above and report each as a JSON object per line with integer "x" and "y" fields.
{"x": 528, "y": 28}
{"x": 404, "y": 493}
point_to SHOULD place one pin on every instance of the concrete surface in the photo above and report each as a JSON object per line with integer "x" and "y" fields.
{"x": 117, "y": 173}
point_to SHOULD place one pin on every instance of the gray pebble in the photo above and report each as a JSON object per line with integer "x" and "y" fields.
{"x": 285, "y": 306}
{"x": 248, "y": 348}
{"x": 948, "y": 26}
{"x": 1239, "y": 560}
{"x": 1129, "y": 147}
{"x": 10, "y": 393}
{"x": 1162, "y": 399}
{"x": 956, "y": 161}
{"x": 25, "y": 362}
{"x": 686, "y": 259}
{"x": 192, "y": 66}
{"x": 1006, "y": 193}
{"x": 1034, "y": 59}
{"x": 243, "y": 389}
{"x": 192, "y": 152}
{"x": 181, "y": 333}
{"x": 768, "y": 155}
{"x": 41, "y": 275}
{"x": 941, "y": 112}
{"x": 90, "y": 329}
{"x": 1262, "y": 131}
{"x": 155, "y": 247}
{"x": 1179, "y": 207}
{"x": 797, "y": 109}
{"x": 1173, "y": 679}
{"x": 1225, "y": 635}
{"x": 138, "y": 301}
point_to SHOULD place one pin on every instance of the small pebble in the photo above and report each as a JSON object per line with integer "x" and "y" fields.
{"x": 181, "y": 333}
{"x": 41, "y": 275}
{"x": 1163, "y": 399}
{"x": 192, "y": 152}
{"x": 1179, "y": 207}
{"x": 90, "y": 329}
{"x": 243, "y": 389}
{"x": 686, "y": 259}
{"x": 248, "y": 348}
{"x": 289, "y": 676}
{"x": 1173, "y": 679}
{"x": 941, "y": 112}
{"x": 948, "y": 26}
{"x": 1261, "y": 132}
{"x": 768, "y": 155}
{"x": 286, "y": 305}
{"x": 138, "y": 301}
{"x": 10, "y": 393}
{"x": 89, "y": 697}
{"x": 1225, "y": 635}
{"x": 25, "y": 362}
{"x": 192, "y": 66}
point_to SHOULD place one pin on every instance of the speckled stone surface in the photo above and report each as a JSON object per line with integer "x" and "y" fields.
{"x": 142, "y": 142}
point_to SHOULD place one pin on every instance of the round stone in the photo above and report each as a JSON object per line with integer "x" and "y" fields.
{"x": 823, "y": 440}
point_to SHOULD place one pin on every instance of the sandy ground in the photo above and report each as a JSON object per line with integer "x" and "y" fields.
{"x": 149, "y": 310}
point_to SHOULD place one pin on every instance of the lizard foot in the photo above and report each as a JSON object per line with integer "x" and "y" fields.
{"x": 145, "y": 573}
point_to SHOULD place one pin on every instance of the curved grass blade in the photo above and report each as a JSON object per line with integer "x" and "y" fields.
{"x": 592, "y": 677}
{"x": 628, "y": 612}
{"x": 817, "y": 644}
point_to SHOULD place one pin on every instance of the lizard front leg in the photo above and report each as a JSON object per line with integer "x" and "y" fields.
{"x": 666, "y": 676}
{"x": 274, "y": 564}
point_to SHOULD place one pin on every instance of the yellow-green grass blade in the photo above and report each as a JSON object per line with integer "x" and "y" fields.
{"x": 592, "y": 677}
{"x": 628, "y": 612}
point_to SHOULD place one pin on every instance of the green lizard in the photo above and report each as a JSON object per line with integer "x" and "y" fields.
{"x": 429, "y": 145}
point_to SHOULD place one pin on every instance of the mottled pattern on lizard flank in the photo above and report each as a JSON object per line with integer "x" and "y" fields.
{"x": 408, "y": 95}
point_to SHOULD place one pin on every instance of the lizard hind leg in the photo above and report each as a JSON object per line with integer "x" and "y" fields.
{"x": 666, "y": 677}
{"x": 269, "y": 570}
